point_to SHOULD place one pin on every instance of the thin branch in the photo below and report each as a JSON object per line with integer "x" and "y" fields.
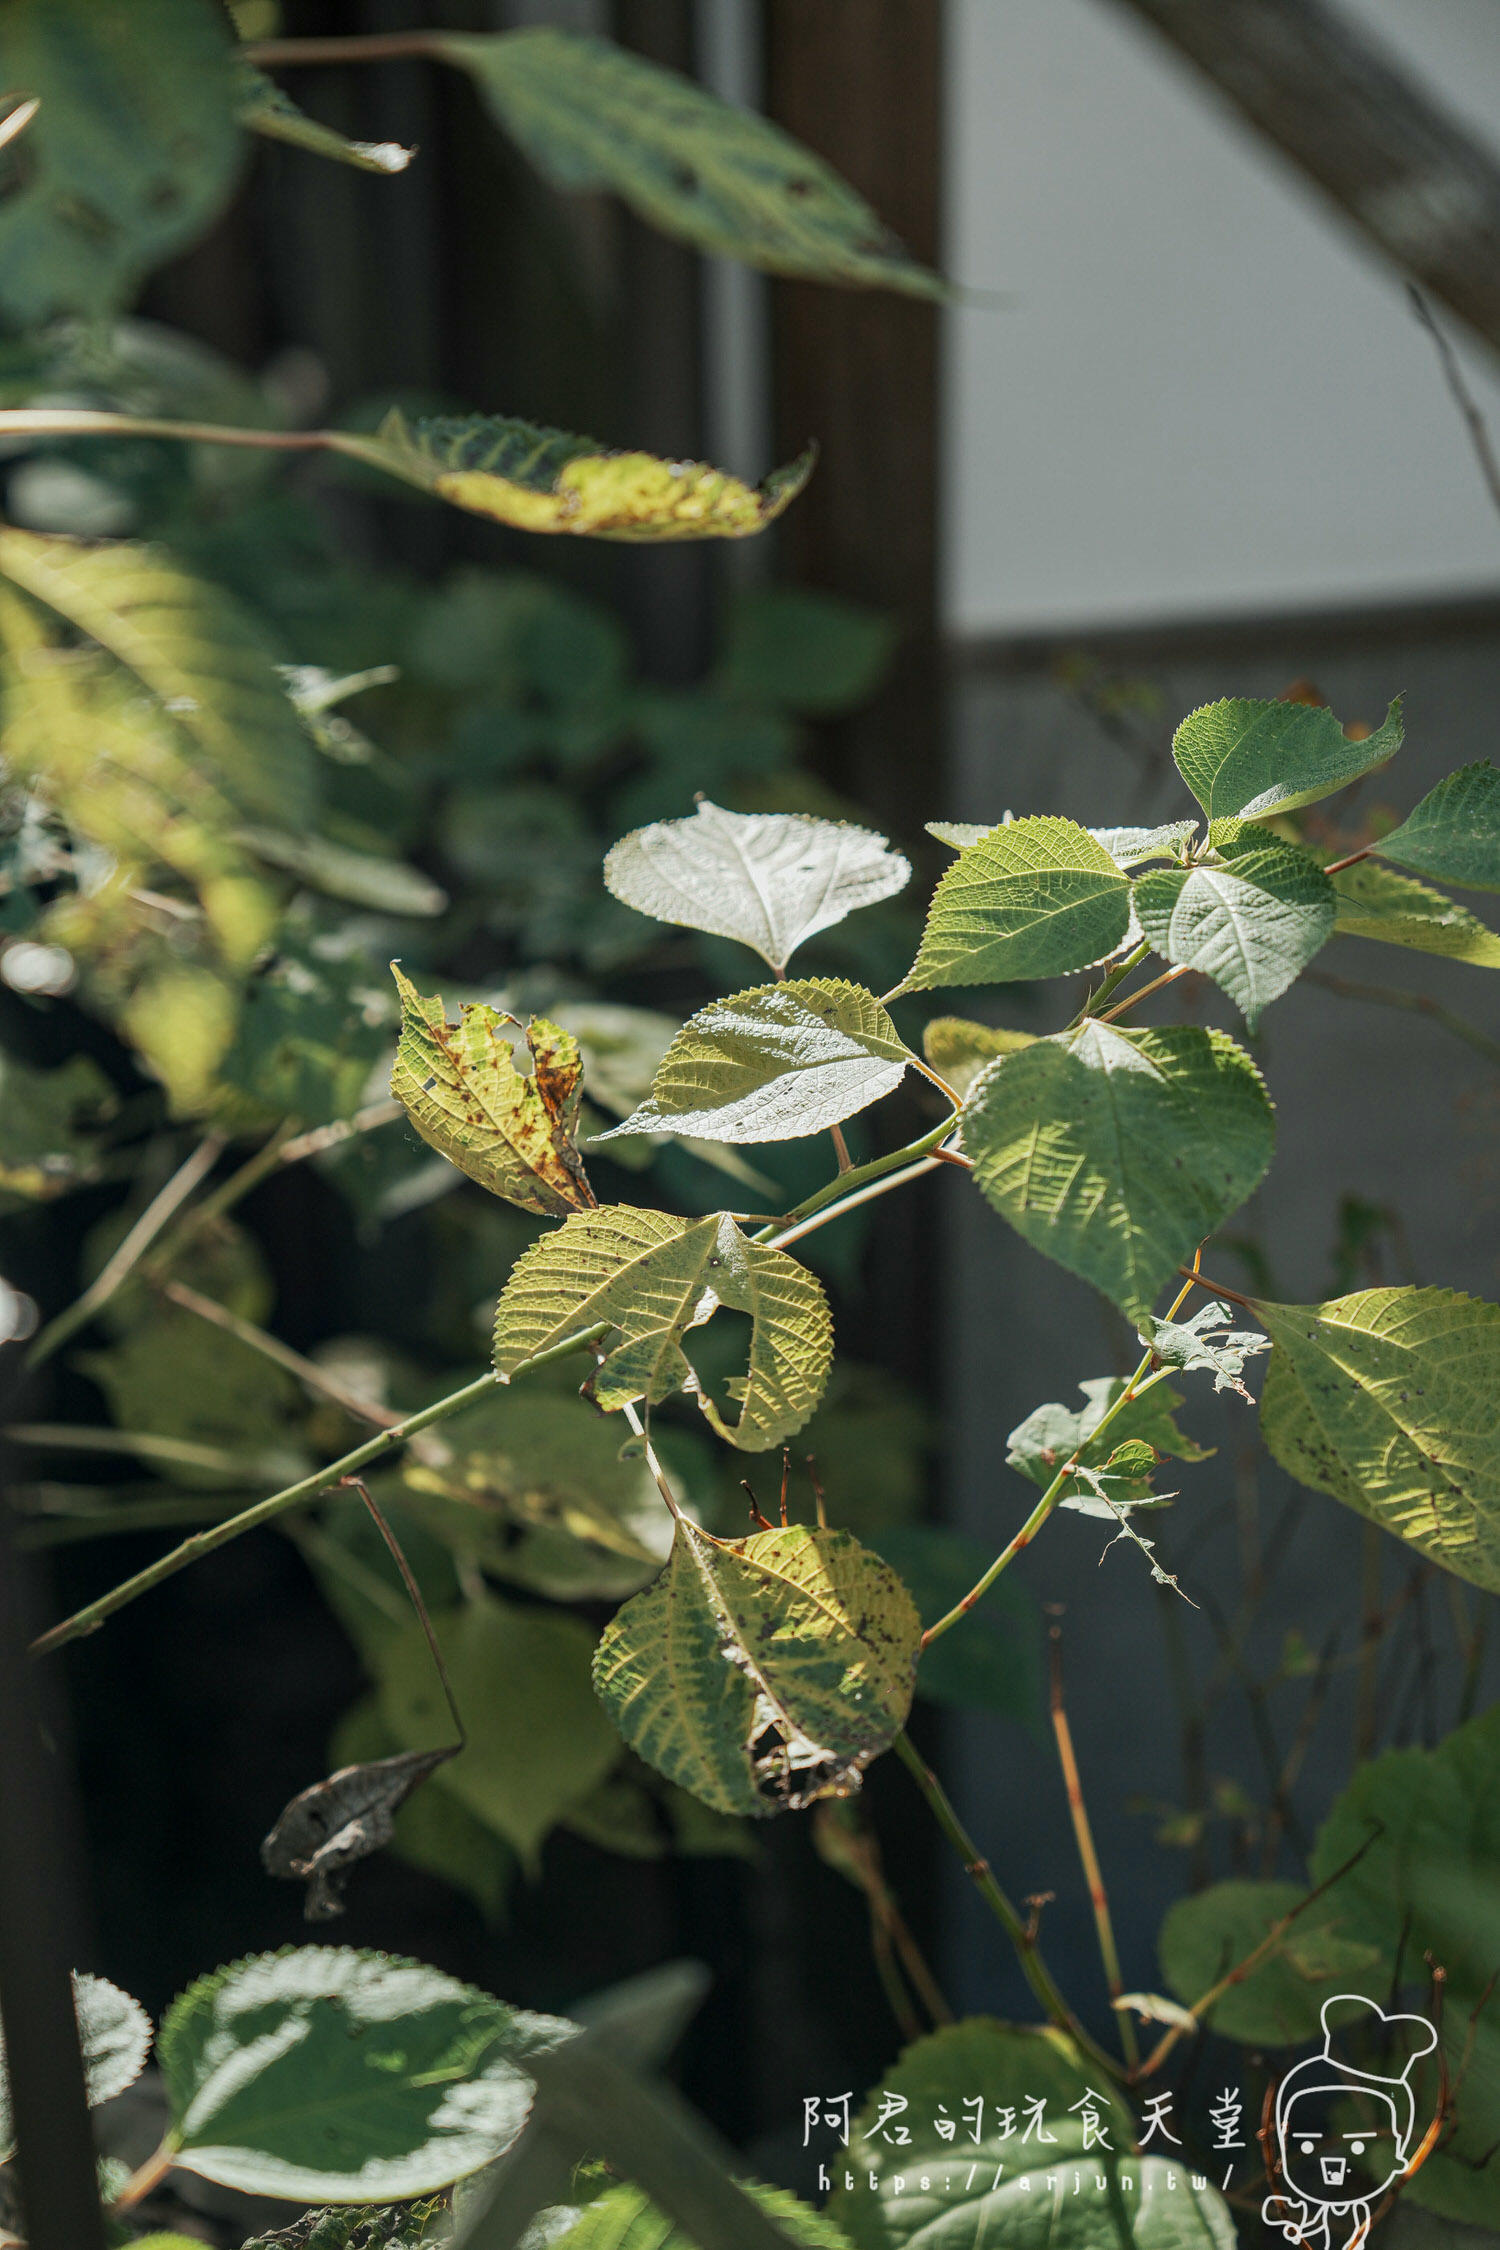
{"x": 270, "y": 1347}
{"x": 1215, "y": 1289}
{"x": 342, "y": 1129}
{"x": 1083, "y": 1834}
{"x": 408, "y": 1580}
{"x": 1337, "y": 866}
{"x": 652, "y": 1461}
{"x": 840, "y": 1189}
{"x": 1144, "y": 992}
{"x": 1414, "y": 1003}
{"x": 1463, "y": 398}
{"x": 372, "y": 46}
{"x": 850, "y": 1202}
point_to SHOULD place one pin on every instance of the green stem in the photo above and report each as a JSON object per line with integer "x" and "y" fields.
{"x": 270, "y": 1347}
{"x": 848, "y": 1183}
{"x": 1113, "y": 980}
{"x": 1033, "y": 1968}
{"x": 1168, "y": 976}
{"x": 90, "y": 1618}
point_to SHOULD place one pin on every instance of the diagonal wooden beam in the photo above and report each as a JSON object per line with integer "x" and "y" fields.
{"x": 1384, "y": 151}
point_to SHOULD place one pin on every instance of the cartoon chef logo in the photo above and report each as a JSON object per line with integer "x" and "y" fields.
{"x": 1343, "y": 2134}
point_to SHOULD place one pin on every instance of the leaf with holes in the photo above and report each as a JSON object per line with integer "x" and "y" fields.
{"x": 1116, "y": 1152}
{"x": 1390, "y": 1400}
{"x": 772, "y": 880}
{"x": 544, "y": 480}
{"x": 1376, "y": 902}
{"x": 132, "y": 151}
{"x": 1243, "y": 759}
{"x": 1454, "y": 833}
{"x": 1252, "y": 924}
{"x": 1052, "y": 1434}
{"x": 1197, "y": 1345}
{"x": 651, "y": 1278}
{"x": 330, "y": 2076}
{"x": 459, "y": 1085}
{"x": 763, "y": 1673}
{"x": 114, "y": 2034}
{"x": 591, "y": 115}
{"x": 774, "y": 1064}
{"x": 1034, "y": 898}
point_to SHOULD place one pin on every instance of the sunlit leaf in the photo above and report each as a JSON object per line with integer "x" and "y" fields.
{"x": 1243, "y": 758}
{"x": 1052, "y": 1434}
{"x": 959, "y": 1049}
{"x": 1376, "y": 902}
{"x": 1033, "y": 898}
{"x": 266, "y": 108}
{"x": 1116, "y": 1152}
{"x": 652, "y": 1277}
{"x": 1390, "y": 1400}
{"x": 459, "y": 1085}
{"x": 114, "y": 2035}
{"x": 623, "y": 2219}
{"x": 1207, "y": 1342}
{"x": 762, "y": 1673}
{"x": 1454, "y": 833}
{"x": 772, "y": 880}
{"x": 592, "y": 115}
{"x": 1252, "y": 924}
{"x": 774, "y": 1064}
{"x": 544, "y": 480}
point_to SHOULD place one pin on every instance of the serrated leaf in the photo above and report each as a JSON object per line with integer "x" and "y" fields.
{"x": 1033, "y": 898}
{"x": 623, "y": 2219}
{"x": 1244, "y": 758}
{"x": 652, "y": 1277}
{"x": 402, "y": 2226}
{"x": 131, "y": 152}
{"x": 1052, "y": 1434}
{"x": 1115, "y": 1152}
{"x": 959, "y": 1049}
{"x": 331, "y": 2076}
{"x": 591, "y": 115}
{"x": 114, "y": 2035}
{"x": 1132, "y": 847}
{"x": 762, "y": 1673}
{"x": 266, "y": 108}
{"x": 1197, "y": 1344}
{"x": 459, "y": 1085}
{"x": 1454, "y": 833}
{"x": 1278, "y": 2004}
{"x": 1376, "y": 902}
{"x": 1390, "y": 1400}
{"x": 543, "y": 480}
{"x": 772, "y": 880}
{"x": 774, "y": 1064}
{"x": 1252, "y": 924}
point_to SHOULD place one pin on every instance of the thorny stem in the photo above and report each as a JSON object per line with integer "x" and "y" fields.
{"x": 1083, "y": 1833}
{"x": 90, "y": 1618}
{"x": 1021, "y": 1936}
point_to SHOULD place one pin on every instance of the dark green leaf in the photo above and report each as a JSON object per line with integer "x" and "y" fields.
{"x": 1454, "y": 833}
{"x": 1243, "y": 759}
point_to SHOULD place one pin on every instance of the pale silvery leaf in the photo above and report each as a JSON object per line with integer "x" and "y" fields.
{"x": 1208, "y": 1341}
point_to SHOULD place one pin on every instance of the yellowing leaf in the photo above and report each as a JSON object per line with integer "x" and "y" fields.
{"x": 459, "y": 1085}
{"x": 1376, "y": 902}
{"x": 543, "y": 480}
{"x": 1390, "y": 1400}
{"x": 763, "y": 1673}
{"x": 652, "y": 1277}
{"x": 959, "y": 1049}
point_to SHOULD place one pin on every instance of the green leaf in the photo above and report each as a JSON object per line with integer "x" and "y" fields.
{"x": 805, "y": 651}
{"x": 762, "y": 1673}
{"x": 45, "y": 1153}
{"x": 538, "y": 1743}
{"x": 114, "y": 2034}
{"x": 314, "y": 1024}
{"x": 265, "y": 108}
{"x": 458, "y": 1083}
{"x": 1375, "y": 902}
{"x": 1243, "y": 758}
{"x": 1278, "y": 2004}
{"x": 590, "y": 115}
{"x": 176, "y": 1377}
{"x": 538, "y": 479}
{"x": 1197, "y": 1346}
{"x": 1252, "y": 924}
{"x": 1387, "y": 1399}
{"x": 994, "y": 1663}
{"x": 772, "y": 880}
{"x": 363, "y": 878}
{"x": 623, "y": 2219}
{"x": 133, "y": 149}
{"x": 958, "y": 1049}
{"x": 1116, "y": 1152}
{"x": 1052, "y": 1434}
{"x": 1034, "y": 898}
{"x": 402, "y": 2226}
{"x": 199, "y": 658}
{"x": 652, "y": 1277}
{"x": 1454, "y": 833}
{"x": 1127, "y": 847}
{"x": 330, "y": 2076}
{"x": 774, "y": 1064}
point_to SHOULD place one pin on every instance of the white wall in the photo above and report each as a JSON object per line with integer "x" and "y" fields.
{"x": 1206, "y": 399}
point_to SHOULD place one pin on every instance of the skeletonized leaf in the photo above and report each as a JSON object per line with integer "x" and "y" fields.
{"x": 1376, "y": 902}
{"x": 331, "y": 2076}
{"x": 1390, "y": 1400}
{"x": 766, "y": 1672}
{"x": 772, "y": 880}
{"x": 459, "y": 1085}
{"x": 774, "y": 1064}
{"x": 334, "y": 1823}
{"x": 1209, "y": 1343}
{"x": 1245, "y": 758}
{"x": 132, "y": 150}
{"x": 1252, "y": 924}
{"x": 267, "y": 109}
{"x": 1033, "y": 898}
{"x": 652, "y": 1277}
{"x": 1454, "y": 833}
{"x": 1052, "y": 1434}
{"x": 1116, "y": 1152}
{"x": 591, "y": 115}
{"x": 539, "y": 479}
